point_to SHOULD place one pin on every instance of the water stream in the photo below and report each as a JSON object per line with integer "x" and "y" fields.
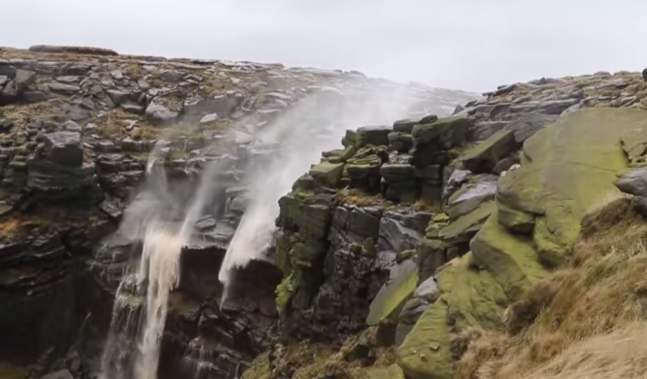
{"x": 163, "y": 226}
{"x": 159, "y": 223}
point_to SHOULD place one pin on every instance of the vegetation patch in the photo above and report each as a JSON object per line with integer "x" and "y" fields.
{"x": 597, "y": 294}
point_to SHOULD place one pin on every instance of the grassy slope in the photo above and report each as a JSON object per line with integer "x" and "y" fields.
{"x": 583, "y": 321}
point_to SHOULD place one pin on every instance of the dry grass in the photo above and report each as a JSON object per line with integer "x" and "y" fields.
{"x": 309, "y": 360}
{"x": 9, "y": 227}
{"x": 360, "y": 198}
{"x": 427, "y": 206}
{"x": 598, "y": 293}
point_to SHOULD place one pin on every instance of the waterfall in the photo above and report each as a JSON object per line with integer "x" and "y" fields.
{"x": 141, "y": 303}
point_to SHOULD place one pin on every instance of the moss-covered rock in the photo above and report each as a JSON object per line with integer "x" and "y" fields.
{"x": 446, "y": 132}
{"x": 509, "y": 258}
{"x": 259, "y": 368}
{"x": 393, "y": 295}
{"x": 10, "y": 371}
{"x": 431, "y": 255}
{"x": 373, "y": 135}
{"x": 480, "y": 189}
{"x": 514, "y": 219}
{"x": 483, "y": 157}
{"x": 327, "y": 173}
{"x": 391, "y": 372}
{"x": 567, "y": 168}
{"x": 350, "y": 139}
{"x": 425, "y": 352}
{"x": 464, "y": 224}
{"x": 476, "y": 300}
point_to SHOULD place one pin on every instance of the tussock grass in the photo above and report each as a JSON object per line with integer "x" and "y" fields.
{"x": 567, "y": 319}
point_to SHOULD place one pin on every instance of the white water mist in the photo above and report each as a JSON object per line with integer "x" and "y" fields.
{"x": 158, "y": 220}
{"x": 315, "y": 124}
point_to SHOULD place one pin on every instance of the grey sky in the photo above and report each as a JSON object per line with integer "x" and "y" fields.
{"x": 466, "y": 44}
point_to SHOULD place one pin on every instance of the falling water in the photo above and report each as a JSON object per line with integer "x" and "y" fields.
{"x": 315, "y": 124}
{"x": 160, "y": 267}
{"x": 141, "y": 303}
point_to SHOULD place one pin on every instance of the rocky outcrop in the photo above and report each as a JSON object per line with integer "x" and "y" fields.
{"x": 81, "y": 127}
{"x": 396, "y": 242}
{"x": 513, "y": 176}
{"x": 565, "y": 170}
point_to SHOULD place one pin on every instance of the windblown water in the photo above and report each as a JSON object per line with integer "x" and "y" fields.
{"x": 141, "y": 303}
{"x": 160, "y": 224}
{"x": 315, "y": 124}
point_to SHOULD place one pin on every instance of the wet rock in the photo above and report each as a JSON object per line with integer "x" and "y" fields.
{"x": 223, "y": 105}
{"x": 105, "y": 146}
{"x": 72, "y": 50}
{"x": 364, "y": 168}
{"x": 431, "y": 142}
{"x": 393, "y": 294}
{"x": 63, "y": 148}
{"x": 404, "y": 126}
{"x": 160, "y": 114}
{"x": 132, "y": 108}
{"x": 117, "y": 96}
{"x": 23, "y": 79}
{"x": 484, "y": 157}
{"x": 78, "y": 114}
{"x": 63, "y": 374}
{"x": 469, "y": 197}
{"x": 72, "y": 126}
{"x": 10, "y": 92}
{"x": 526, "y": 126}
{"x": 354, "y": 224}
{"x": 373, "y": 135}
{"x": 633, "y": 182}
{"x": 328, "y": 174}
{"x": 485, "y": 129}
{"x": 400, "y": 142}
{"x": 502, "y": 90}
{"x": 400, "y": 182}
{"x": 556, "y": 107}
{"x": 64, "y": 89}
{"x": 426, "y": 294}
{"x": 401, "y": 231}
{"x": 211, "y": 117}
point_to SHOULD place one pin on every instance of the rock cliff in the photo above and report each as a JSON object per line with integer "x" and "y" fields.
{"x": 445, "y": 223}
{"x": 81, "y": 129}
{"x": 389, "y": 249}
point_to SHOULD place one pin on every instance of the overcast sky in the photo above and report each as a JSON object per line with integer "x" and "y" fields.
{"x": 465, "y": 44}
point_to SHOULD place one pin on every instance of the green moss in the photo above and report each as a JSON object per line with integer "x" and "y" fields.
{"x": 509, "y": 258}
{"x": 391, "y": 372}
{"x": 284, "y": 292}
{"x": 327, "y": 173}
{"x": 425, "y": 353}
{"x": 484, "y": 156}
{"x": 431, "y": 255}
{"x": 514, "y": 219}
{"x": 10, "y": 371}
{"x": 394, "y": 294}
{"x": 177, "y": 154}
{"x": 259, "y": 368}
{"x": 447, "y": 276}
{"x": 447, "y": 132}
{"x": 464, "y": 223}
{"x": 476, "y": 300}
{"x": 566, "y": 169}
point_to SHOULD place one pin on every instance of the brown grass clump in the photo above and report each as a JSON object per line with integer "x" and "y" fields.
{"x": 360, "y": 198}
{"x": 599, "y": 293}
{"x": 426, "y": 206}
{"x": 9, "y": 226}
{"x": 308, "y": 360}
